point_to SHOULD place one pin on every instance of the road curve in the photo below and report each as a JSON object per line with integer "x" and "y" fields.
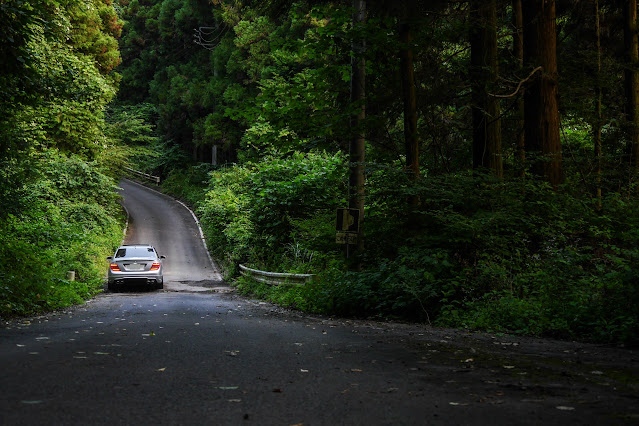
{"x": 157, "y": 219}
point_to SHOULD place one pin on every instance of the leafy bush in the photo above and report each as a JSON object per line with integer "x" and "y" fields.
{"x": 255, "y": 213}
{"x": 188, "y": 184}
{"x": 71, "y": 222}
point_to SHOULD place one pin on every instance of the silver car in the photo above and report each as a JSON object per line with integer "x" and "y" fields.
{"x": 135, "y": 264}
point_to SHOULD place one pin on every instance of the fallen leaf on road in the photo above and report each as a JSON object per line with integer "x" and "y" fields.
{"x": 509, "y": 367}
{"x": 564, "y": 408}
{"x": 458, "y": 403}
{"x": 303, "y": 371}
{"x": 161, "y": 369}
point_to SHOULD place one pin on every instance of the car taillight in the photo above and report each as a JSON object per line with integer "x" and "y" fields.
{"x": 155, "y": 266}
{"x": 114, "y": 267}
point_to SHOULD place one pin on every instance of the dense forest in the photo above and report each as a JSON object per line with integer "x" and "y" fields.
{"x": 490, "y": 147}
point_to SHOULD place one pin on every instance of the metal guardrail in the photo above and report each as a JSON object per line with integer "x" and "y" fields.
{"x": 155, "y": 179}
{"x": 276, "y": 278}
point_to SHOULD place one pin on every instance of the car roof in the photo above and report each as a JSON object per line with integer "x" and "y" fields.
{"x": 135, "y": 251}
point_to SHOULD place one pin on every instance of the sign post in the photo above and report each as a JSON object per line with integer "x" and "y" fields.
{"x": 347, "y": 226}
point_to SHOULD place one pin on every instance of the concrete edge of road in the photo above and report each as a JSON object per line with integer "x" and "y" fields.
{"x": 197, "y": 223}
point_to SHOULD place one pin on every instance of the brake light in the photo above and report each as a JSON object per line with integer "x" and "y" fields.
{"x": 114, "y": 267}
{"x": 155, "y": 266}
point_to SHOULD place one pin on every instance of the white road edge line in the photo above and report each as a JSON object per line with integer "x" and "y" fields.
{"x": 197, "y": 222}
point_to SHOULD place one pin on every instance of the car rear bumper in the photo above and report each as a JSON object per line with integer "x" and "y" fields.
{"x": 140, "y": 278}
{"x": 136, "y": 281}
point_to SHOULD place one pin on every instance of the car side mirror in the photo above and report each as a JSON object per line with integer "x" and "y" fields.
{"x": 110, "y": 258}
{"x": 162, "y": 257}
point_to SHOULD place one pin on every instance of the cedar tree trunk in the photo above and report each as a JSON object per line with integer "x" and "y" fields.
{"x": 484, "y": 71}
{"x": 541, "y": 113}
{"x": 631, "y": 79}
{"x": 357, "y": 148}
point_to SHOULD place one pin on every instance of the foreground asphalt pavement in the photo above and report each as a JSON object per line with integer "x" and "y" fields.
{"x": 197, "y": 354}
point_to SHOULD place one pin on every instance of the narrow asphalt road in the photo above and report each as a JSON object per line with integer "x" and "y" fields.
{"x": 197, "y": 355}
{"x": 171, "y": 227}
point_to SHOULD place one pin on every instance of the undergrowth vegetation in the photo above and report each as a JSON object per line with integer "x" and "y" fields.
{"x": 276, "y": 212}
{"x": 485, "y": 254}
{"x": 69, "y": 221}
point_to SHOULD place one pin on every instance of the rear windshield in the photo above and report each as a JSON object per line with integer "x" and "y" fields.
{"x": 135, "y": 252}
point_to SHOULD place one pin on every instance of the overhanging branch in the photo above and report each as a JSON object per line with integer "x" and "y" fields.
{"x": 518, "y": 86}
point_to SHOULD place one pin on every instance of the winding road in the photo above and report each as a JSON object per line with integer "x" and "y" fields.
{"x": 171, "y": 227}
{"x": 198, "y": 354}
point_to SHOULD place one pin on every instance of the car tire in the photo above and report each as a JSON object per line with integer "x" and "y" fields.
{"x": 111, "y": 287}
{"x": 160, "y": 286}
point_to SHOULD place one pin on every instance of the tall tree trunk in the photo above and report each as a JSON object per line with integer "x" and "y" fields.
{"x": 518, "y": 53}
{"x": 357, "y": 147}
{"x": 484, "y": 71}
{"x": 541, "y": 113}
{"x": 596, "y": 128}
{"x": 411, "y": 138}
{"x": 631, "y": 80}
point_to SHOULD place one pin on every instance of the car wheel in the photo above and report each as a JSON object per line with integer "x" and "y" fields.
{"x": 111, "y": 287}
{"x": 160, "y": 286}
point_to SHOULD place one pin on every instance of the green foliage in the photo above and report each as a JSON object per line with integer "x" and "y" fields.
{"x": 95, "y": 29}
{"x": 482, "y": 254}
{"x": 531, "y": 260}
{"x": 133, "y": 139}
{"x": 291, "y": 296}
{"x": 69, "y": 221}
{"x": 254, "y": 212}
{"x": 188, "y": 184}
{"x": 58, "y": 211}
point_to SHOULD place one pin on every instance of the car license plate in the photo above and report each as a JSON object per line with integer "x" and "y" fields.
{"x": 136, "y": 267}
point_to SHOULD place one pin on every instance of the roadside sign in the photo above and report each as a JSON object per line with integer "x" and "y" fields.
{"x": 347, "y": 220}
{"x": 346, "y": 238}
{"x": 347, "y": 226}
